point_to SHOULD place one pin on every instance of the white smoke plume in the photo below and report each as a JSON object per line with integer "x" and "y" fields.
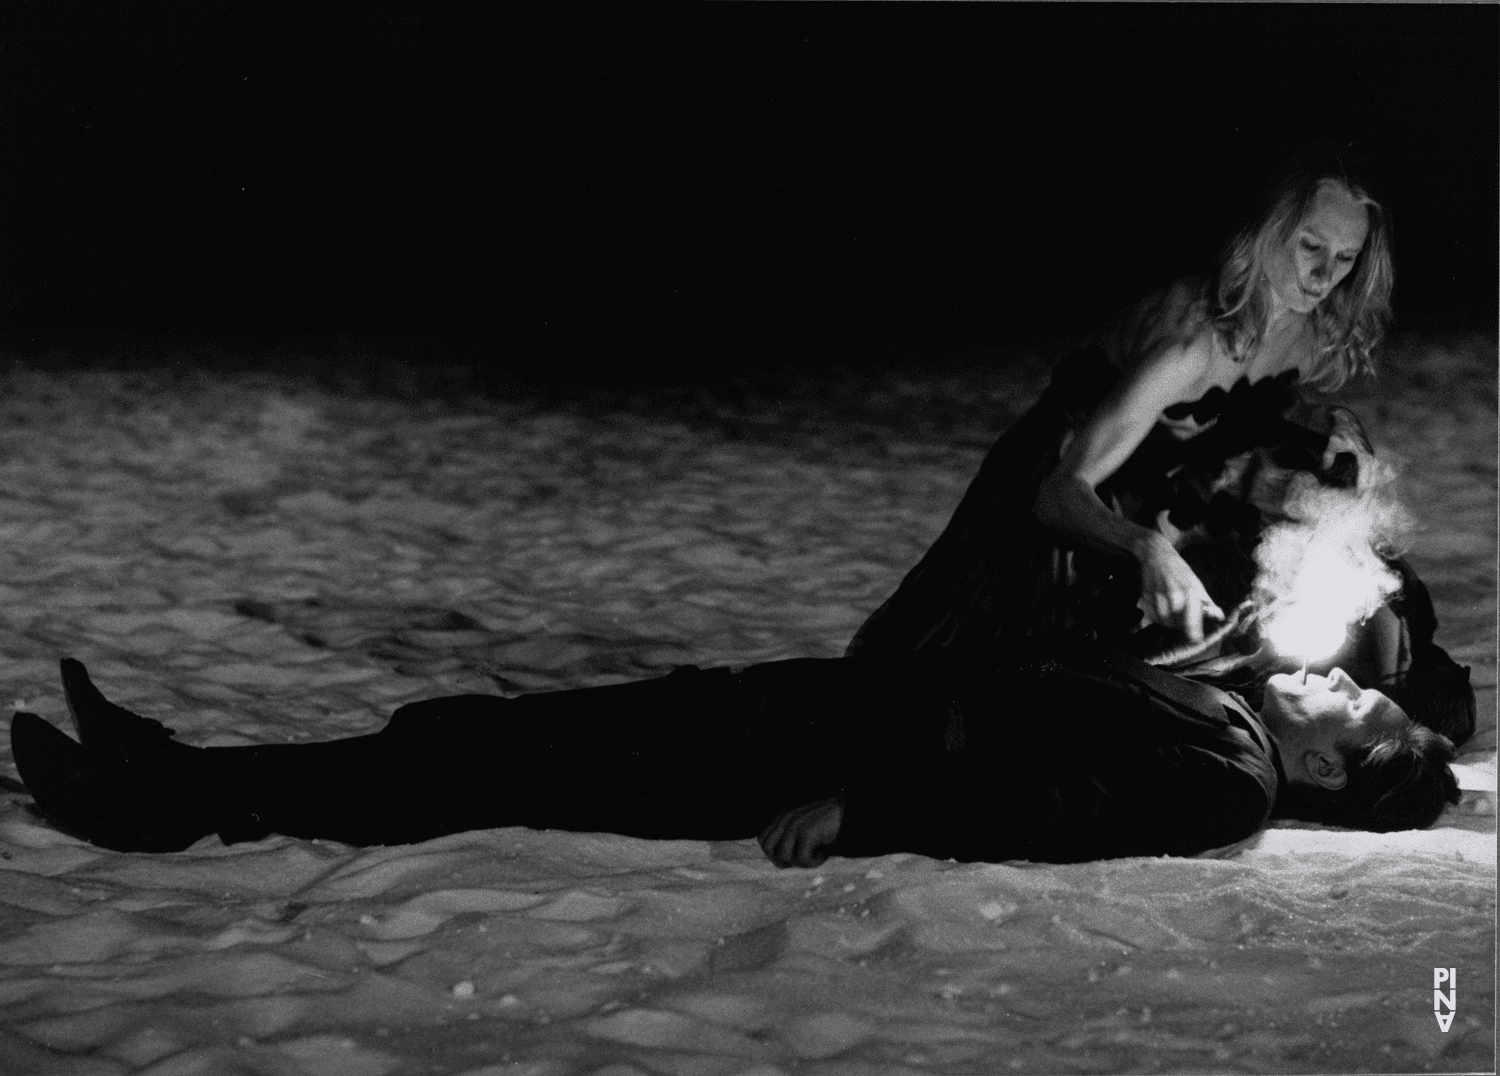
{"x": 1320, "y": 568}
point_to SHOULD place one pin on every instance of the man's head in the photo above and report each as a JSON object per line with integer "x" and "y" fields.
{"x": 1353, "y": 758}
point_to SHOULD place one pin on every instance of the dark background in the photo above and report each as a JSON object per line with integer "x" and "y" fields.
{"x": 696, "y": 183}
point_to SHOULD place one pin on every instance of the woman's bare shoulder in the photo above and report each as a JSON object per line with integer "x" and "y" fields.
{"x": 1169, "y": 317}
{"x": 1182, "y": 370}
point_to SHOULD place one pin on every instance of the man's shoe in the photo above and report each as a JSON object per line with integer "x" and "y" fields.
{"x": 108, "y": 803}
{"x": 101, "y": 725}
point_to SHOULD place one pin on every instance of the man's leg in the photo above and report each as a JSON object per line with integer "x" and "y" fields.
{"x": 656, "y": 758}
{"x": 706, "y": 755}
{"x": 164, "y": 796}
{"x": 363, "y": 790}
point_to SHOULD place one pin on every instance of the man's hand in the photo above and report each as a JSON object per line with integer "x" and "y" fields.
{"x": 798, "y": 836}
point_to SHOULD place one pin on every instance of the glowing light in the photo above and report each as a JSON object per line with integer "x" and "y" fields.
{"x": 1331, "y": 587}
{"x": 1320, "y": 572}
{"x": 1307, "y": 634}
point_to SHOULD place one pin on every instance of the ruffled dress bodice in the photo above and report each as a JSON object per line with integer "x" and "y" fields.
{"x": 995, "y": 576}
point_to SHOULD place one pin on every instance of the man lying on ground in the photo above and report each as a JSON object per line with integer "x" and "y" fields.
{"x": 1050, "y": 757}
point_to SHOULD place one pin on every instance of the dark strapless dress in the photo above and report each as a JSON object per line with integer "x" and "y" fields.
{"x": 996, "y": 577}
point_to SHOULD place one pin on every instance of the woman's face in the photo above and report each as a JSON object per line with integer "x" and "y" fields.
{"x": 1323, "y": 249}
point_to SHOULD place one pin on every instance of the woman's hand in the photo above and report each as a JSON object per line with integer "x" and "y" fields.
{"x": 1171, "y": 593}
{"x": 798, "y": 836}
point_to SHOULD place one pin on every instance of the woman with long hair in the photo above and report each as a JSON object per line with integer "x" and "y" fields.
{"x": 1069, "y": 526}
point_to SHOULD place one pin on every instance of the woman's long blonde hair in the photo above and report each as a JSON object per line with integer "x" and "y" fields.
{"x": 1350, "y": 322}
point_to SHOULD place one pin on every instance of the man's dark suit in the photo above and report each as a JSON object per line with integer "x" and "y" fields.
{"x": 1044, "y": 758}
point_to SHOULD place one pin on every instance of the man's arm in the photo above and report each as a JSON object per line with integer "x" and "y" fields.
{"x": 1176, "y": 800}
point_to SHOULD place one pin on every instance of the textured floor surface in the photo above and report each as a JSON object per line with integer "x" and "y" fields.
{"x": 260, "y": 559}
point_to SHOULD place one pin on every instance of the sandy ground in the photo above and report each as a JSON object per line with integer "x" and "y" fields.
{"x": 257, "y": 558}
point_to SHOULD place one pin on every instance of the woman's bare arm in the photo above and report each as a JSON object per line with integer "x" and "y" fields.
{"x": 1067, "y": 503}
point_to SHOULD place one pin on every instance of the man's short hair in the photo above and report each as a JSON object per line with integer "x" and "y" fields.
{"x": 1435, "y": 692}
{"x": 1401, "y": 780}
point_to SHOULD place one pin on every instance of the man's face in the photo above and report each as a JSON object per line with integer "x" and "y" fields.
{"x": 1326, "y": 713}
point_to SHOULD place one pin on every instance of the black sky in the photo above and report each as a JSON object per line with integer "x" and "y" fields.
{"x": 797, "y": 176}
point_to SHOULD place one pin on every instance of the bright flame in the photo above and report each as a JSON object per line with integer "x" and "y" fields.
{"x": 1320, "y": 570}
